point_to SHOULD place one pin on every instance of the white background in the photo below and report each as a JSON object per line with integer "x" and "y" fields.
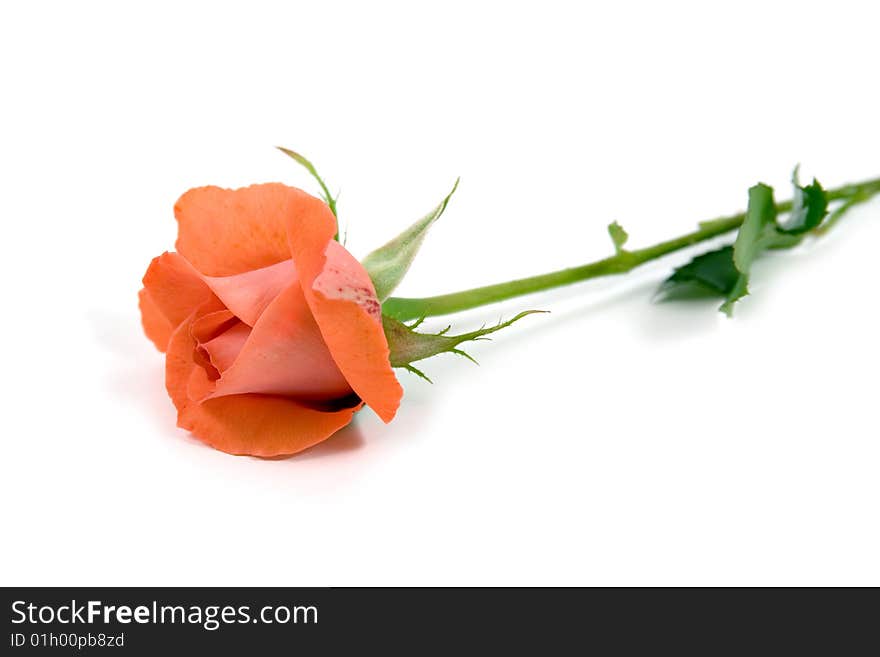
{"x": 614, "y": 441}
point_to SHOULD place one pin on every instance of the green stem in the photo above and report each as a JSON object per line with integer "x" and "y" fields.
{"x": 404, "y": 309}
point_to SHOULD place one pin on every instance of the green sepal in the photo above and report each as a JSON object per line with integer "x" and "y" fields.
{"x": 388, "y": 264}
{"x": 325, "y": 193}
{"x": 408, "y": 346}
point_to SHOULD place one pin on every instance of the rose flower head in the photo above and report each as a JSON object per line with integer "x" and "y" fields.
{"x": 274, "y": 334}
{"x": 272, "y": 330}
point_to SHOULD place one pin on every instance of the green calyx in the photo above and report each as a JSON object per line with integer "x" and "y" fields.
{"x": 408, "y": 346}
{"x": 387, "y": 267}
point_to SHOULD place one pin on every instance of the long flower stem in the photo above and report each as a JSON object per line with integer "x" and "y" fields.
{"x": 404, "y": 309}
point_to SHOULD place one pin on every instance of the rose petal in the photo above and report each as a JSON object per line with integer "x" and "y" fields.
{"x": 219, "y": 337}
{"x": 210, "y": 325}
{"x": 172, "y": 290}
{"x": 343, "y": 301}
{"x": 248, "y": 294}
{"x": 256, "y": 425}
{"x": 343, "y": 278}
{"x": 284, "y": 354}
{"x": 225, "y": 348}
{"x": 156, "y": 325}
{"x": 224, "y": 231}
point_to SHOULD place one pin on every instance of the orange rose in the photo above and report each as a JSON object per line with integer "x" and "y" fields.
{"x": 272, "y": 330}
